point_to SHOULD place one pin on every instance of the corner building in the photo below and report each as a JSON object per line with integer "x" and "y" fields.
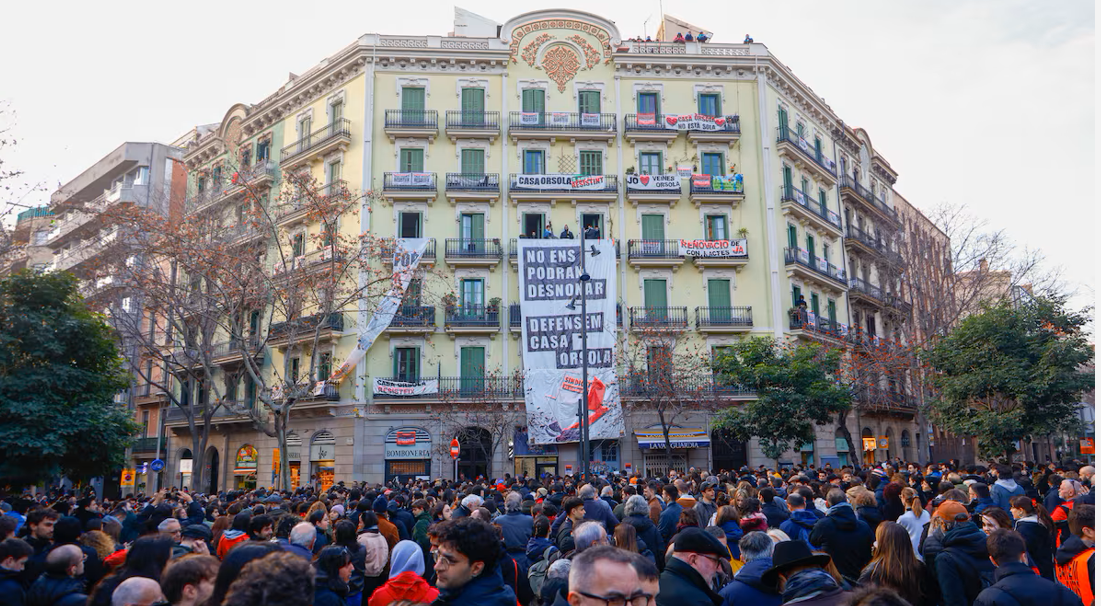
{"x": 446, "y": 131}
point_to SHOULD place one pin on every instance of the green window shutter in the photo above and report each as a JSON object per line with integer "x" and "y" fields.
{"x": 822, "y": 197}
{"x": 533, "y": 162}
{"x": 473, "y": 161}
{"x": 472, "y": 365}
{"x": 817, "y": 148}
{"x": 336, "y": 111}
{"x": 783, "y": 119}
{"x": 718, "y": 300}
{"x": 533, "y": 100}
{"x": 588, "y": 102}
{"x": 653, "y": 227}
{"x": 713, "y": 164}
{"x": 810, "y": 248}
{"x": 412, "y": 99}
{"x": 814, "y": 302}
{"x": 787, "y": 180}
{"x": 716, "y": 227}
{"x": 796, "y": 292}
{"x": 653, "y": 292}
{"x": 831, "y": 310}
{"x": 804, "y": 184}
{"x": 473, "y": 227}
{"x": 473, "y": 100}
{"x": 473, "y": 291}
{"x": 650, "y": 163}
{"x": 412, "y": 160}
{"x": 793, "y": 237}
{"x": 591, "y": 163}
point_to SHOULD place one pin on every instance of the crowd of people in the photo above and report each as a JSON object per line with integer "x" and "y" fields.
{"x": 680, "y": 37}
{"x": 891, "y": 535}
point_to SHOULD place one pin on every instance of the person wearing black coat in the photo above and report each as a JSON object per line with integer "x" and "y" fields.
{"x": 1040, "y": 544}
{"x": 845, "y": 538}
{"x": 1015, "y": 583}
{"x": 636, "y": 512}
{"x": 682, "y": 583}
{"x": 773, "y": 511}
{"x": 963, "y": 563}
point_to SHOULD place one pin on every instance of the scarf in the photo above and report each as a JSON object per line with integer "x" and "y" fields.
{"x": 807, "y": 584}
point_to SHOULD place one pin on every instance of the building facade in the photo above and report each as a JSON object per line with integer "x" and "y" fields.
{"x": 27, "y": 248}
{"x": 547, "y": 122}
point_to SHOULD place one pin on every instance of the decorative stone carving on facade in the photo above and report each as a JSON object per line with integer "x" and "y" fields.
{"x": 845, "y": 141}
{"x": 724, "y": 50}
{"x": 592, "y": 57}
{"x": 465, "y": 44}
{"x": 561, "y": 64}
{"x": 233, "y": 136}
{"x": 531, "y": 51}
{"x": 883, "y": 174}
{"x": 602, "y": 36}
{"x": 405, "y": 42}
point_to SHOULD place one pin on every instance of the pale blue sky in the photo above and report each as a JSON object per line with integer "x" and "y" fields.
{"x": 984, "y": 102}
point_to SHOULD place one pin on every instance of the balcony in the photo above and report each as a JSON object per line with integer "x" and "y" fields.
{"x": 472, "y": 319}
{"x": 243, "y": 233}
{"x": 647, "y": 129}
{"x": 811, "y": 325}
{"x": 886, "y": 401}
{"x": 148, "y": 446}
{"x": 652, "y": 188}
{"x": 861, "y": 291}
{"x": 318, "y": 144}
{"x": 658, "y": 319}
{"x": 852, "y": 190}
{"x": 865, "y": 242}
{"x": 472, "y": 125}
{"x": 68, "y": 259}
{"x": 413, "y": 319}
{"x": 565, "y": 126}
{"x": 803, "y": 154}
{"x": 472, "y": 186}
{"x": 725, "y": 190}
{"x": 233, "y": 351}
{"x": 409, "y": 186}
{"x": 714, "y": 129}
{"x": 800, "y": 263}
{"x": 422, "y": 123}
{"x": 554, "y": 187}
{"x": 799, "y": 204}
{"x": 696, "y": 386}
{"x": 465, "y": 252}
{"x": 232, "y": 411}
{"x": 259, "y": 175}
{"x": 313, "y": 262}
{"x": 77, "y": 219}
{"x": 326, "y": 326}
{"x": 311, "y": 202}
{"x": 654, "y": 253}
{"x": 387, "y": 252}
{"x": 724, "y": 319}
{"x": 456, "y": 389}
{"x": 514, "y": 251}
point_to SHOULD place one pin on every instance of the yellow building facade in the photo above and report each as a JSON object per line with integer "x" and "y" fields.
{"x": 547, "y": 122}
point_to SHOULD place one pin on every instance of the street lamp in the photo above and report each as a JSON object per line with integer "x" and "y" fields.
{"x": 583, "y": 406}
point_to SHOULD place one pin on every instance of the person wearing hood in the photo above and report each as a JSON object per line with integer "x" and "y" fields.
{"x": 731, "y": 524}
{"x": 537, "y": 546}
{"x": 1038, "y": 530}
{"x": 847, "y": 539}
{"x": 401, "y": 517}
{"x": 800, "y": 576}
{"x": 1014, "y": 577}
{"x": 468, "y": 571}
{"x": 747, "y": 587}
{"x": 801, "y": 521}
{"x": 334, "y": 570}
{"x": 237, "y": 533}
{"x": 1074, "y": 558}
{"x": 406, "y": 578}
{"x": 636, "y": 512}
{"x": 1005, "y": 487}
{"x": 963, "y": 565}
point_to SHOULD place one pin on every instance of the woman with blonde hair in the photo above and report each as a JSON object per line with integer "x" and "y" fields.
{"x": 895, "y": 566}
{"x": 100, "y": 541}
{"x": 864, "y": 504}
{"x": 914, "y": 519}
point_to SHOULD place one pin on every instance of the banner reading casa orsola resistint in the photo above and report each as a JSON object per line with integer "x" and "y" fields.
{"x": 713, "y": 249}
{"x": 407, "y": 257}
{"x": 578, "y": 182}
{"x": 550, "y": 272}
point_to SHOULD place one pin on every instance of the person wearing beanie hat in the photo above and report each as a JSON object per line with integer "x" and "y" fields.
{"x": 686, "y": 580}
{"x": 406, "y": 578}
{"x": 385, "y": 527}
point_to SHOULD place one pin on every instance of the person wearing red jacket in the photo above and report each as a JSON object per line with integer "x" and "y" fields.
{"x": 406, "y": 578}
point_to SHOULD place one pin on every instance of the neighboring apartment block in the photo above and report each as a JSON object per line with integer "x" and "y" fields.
{"x": 554, "y": 120}
{"x": 28, "y": 249}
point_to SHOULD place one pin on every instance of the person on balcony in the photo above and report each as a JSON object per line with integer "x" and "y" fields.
{"x": 679, "y": 38}
{"x": 548, "y": 232}
{"x": 688, "y": 38}
{"x": 702, "y": 37}
{"x": 566, "y": 233}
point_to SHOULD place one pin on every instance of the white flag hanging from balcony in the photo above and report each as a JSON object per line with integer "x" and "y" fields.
{"x": 550, "y": 308}
{"x": 407, "y": 257}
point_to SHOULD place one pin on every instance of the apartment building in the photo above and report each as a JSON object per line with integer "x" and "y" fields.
{"x": 85, "y": 240}
{"x": 548, "y": 121}
{"x": 28, "y": 242}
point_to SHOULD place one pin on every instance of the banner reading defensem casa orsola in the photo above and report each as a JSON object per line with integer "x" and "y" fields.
{"x": 550, "y": 308}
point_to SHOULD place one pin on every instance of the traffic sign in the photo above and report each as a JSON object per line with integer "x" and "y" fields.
{"x": 156, "y": 465}
{"x": 455, "y": 448}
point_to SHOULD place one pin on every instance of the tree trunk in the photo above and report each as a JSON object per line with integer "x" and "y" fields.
{"x": 281, "y": 439}
{"x": 853, "y": 454}
{"x": 668, "y": 444}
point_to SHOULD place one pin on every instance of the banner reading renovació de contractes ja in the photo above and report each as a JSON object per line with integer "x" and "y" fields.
{"x": 713, "y": 249}
{"x": 550, "y": 308}
{"x": 407, "y": 256}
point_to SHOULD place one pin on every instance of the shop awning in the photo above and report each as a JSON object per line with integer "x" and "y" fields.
{"x": 678, "y": 438}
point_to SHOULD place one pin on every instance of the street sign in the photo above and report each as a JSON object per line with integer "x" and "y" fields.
{"x": 156, "y": 465}
{"x": 455, "y": 448}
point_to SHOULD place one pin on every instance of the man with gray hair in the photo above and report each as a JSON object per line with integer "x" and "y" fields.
{"x": 557, "y": 582}
{"x": 300, "y": 542}
{"x": 516, "y": 527}
{"x": 596, "y": 509}
{"x": 747, "y": 587}
{"x": 604, "y": 575}
{"x": 137, "y": 591}
{"x": 60, "y": 585}
{"x": 467, "y": 506}
{"x": 587, "y": 535}
{"x": 636, "y": 512}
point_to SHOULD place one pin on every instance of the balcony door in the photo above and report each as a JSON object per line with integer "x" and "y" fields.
{"x": 472, "y": 296}
{"x": 409, "y": 225}
{"x": 472, "y": 231}
{"x": 713, "y": 164}
{"x": 649, "y": 103}
{"x": 588, "y": 102}
{"x": 472, "y": 161}
{"x": 472, "y": 368}
{"x": 718, "y": 300}
{"x": 710, "y": 104}
{"x": 534, "y": 162}
{"x": 716, "y": 227}
{"x": 407, "y": 364}
{"x": 533, "y": 100}
{"x": 649, "y": 163}
{"x": 411, "y": 160}
{"x": 473, "y": 106}
{"x": 412, "y": 105}
{"x": 656, "y": 299}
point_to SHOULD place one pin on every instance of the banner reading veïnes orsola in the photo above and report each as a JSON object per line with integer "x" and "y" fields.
{"x": 550, "y": 273}
{"x": 407, "y": 257}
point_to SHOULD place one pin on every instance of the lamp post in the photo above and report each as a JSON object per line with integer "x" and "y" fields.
{"x": 583, "y": 407}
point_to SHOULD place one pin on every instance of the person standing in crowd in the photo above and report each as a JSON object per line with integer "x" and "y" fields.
{"x": 669, "y": 518}
{"x": 1074, "y": 565}
{"x": 566, "y": 233}
{"x": 747, "y": 587}
{"x": 333, "y": 571}
{"x": 406, "y": 578}
{"x": 1014, "y": 579}
{"x": 802, "y": 577}
{"x": 1069, "y": 491}
{"x": 963, "y": 565}
{"x": 914, "y": 519}
{"x": 189, "y": 580}
{"x": 800, "y": 521}
{"x": 686, "y": 580}
{"x": 894, "y": 565}
{"x": 301, "y": 540}
{"x": 385, "y": 527}
{"x": 1038, "y": 530}
{"x": 60, "y": 583}
{"x": 344, "y": 535}
{"x": 516, "y": 527}
{"x": 636, "y": 513}
{"x": 705, "y": 507}
{"x": 237, "y": 533}
{"x": 467, "y": 571}
{"x": 14, "y": 554}
{"x": 1005, "y": 487}
{"x": 574, "y": 510}
{"x": 137, "y": 591}
{"x": 275, "y": 579}
{"x": 846, "y": 539}
{"x": 604, "y": 575}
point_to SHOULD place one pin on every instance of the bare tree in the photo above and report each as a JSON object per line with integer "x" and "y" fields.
{"x": 491, "y": 404}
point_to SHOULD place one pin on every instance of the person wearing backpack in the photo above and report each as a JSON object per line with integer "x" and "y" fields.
{"x": 963, "y": 567}
{"x": 801, "y": 521}
{"x": 1015, "y": 583}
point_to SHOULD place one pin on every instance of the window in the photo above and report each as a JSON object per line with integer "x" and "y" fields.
{"x": 246, "y": 157}
{"x": 649, "y": 163}
{"x": 710, "y": 104}
{"x": 659, "y": 362}
{"x": 716, "y": 227}
{"x": 826, "y": 252}
{"x": 411, "y": 160}
{"x": 40, "y": 237}
{"x": 472, "y": 161}
{"x": 793, "y": 236}
{"x": 783, "y": 119}
{"x": 254, "y": 323}
{"x": 472, "y": 368}
{"x": 609, "y": 453}
{"x": 473, "y": 232}
{"x": 653, "y": 227}
{"x": 787, "y": 180}
{"x": 412, "y": 295}
{"x": 263, "y": 150}
{"x": 407, "y": 364}
{"x": 324, "y": 366}
{"x": 591, "y": 163}
{"x": 588, "y": 102}
{"x": 145, "y": 422}
{"x": 336, "y": 111}
{"x": 649, "y": 103}
{"x": 796, "y": 294}
{"x": 127, "y": 304}
{"x": 533, "y": 225}
{"x": 595, "y": 220}
{"x": 822, "y": 198}
{"x": 814, "y": 302}
{"x": 718, "y": 299}
{"x": 298, "y": 245}
{"x": 804, "y": 184}
{"x": 811, "y": 248}
{"x": 333, "y": 171}
{"x": 533, "y": 162}
{"x": 216, "y": 176}
{"x": 409, "y": 225}
{"x": 472, "y": 295}
{"x": 831, "y": 310}
{"x": 294, "y": 369}
{"x": 473, "y": 103}
{"x": 304, "y": 127}
{"x": 818, "y": 147}
{"x": 412, "y": 104}
{"x": 713, "y": 164}
{"x": 654, "y": 294}
{"x": 533, "y": 100}
{"x": 141, "y": 176}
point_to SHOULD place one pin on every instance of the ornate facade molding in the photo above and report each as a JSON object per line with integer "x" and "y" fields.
{"x": 464, "y": 44}
{"x": 531, "y": 49}
{"x": 602, "y": 36}
{"x": 561, "y": 64}
{"x": 726, "y": 51}
{"x": 404, "y": 42}
{"x": 882, "y": 173}
{"x": 842, "y": 137}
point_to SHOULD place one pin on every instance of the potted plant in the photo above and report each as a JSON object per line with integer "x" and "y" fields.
{"x": 743, "y": 232}
{"x": 494, "y": 305}
{"x": 630, "y": 170}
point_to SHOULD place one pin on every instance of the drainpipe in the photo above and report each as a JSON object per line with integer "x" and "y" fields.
{"x": 770, "y": 207}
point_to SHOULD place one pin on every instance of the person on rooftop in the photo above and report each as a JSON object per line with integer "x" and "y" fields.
{"x": 702, "y": 37}
{"x": 688, "y": 38}
{"x": 679, "y": 38}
